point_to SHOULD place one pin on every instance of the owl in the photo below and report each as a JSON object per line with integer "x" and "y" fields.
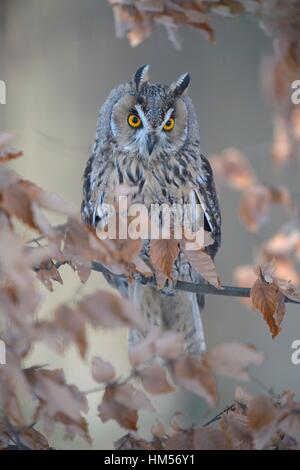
{"x": 147, "y": 138}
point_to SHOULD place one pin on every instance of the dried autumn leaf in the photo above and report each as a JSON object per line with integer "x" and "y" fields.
{"x": 71, "y": 325}
{"x": 203, "y": 263}
{"x": 269, "y": 300}
{"x": 48, "y": 272}
{"x": 285, "y": 269}
{"x": 244, "y": 276}
{"x": 7, "y": 154}
{"x": 196, "y": 375}
{"x": 169, "y": 345}
{"x": 282, "y": 196}
{"x": 121, "y": 403}
{"x": 109, "y": 311}
{"x": 33, "y": 439}
{"x": 57, "y": 396}
{"x": 158, "y": 430}
{"x": 232, "y": 360}
{"x": 141, "y": 267}
{"x": 255, "y": 206}
{"x": 102, "y": 371}
{"x": 24, "y": 199}
{"x": 281, "y": 151}
{"x": 15, "y": 262}
{"x": 233, "y": 168}
{"x": 290, "y": 423}
{"x": 210, "y": 439}
{"x": 242, "y": 396}
{"x": 136, "y": 19}
{"x": 154, "y": 380}
{"x": 181, "y": 440}
{"x": 236, "y": 428}
{"x": 262, "y": 419}
{"x": 132, "y": 442}
{"x": 283, "y": 242}
{"x": 163, "y": 254}
{"x": 144, "y": 349}
{"x": 288, "y": 289}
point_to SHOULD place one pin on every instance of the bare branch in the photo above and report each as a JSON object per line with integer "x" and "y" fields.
{"x": 227, "y": 291}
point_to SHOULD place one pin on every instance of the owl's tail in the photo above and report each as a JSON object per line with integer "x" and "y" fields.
{"x": 180, "y": 313}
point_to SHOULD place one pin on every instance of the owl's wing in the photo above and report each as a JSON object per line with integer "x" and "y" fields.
{"x": 206, "y": 195}
{"x": 93, "y": 193}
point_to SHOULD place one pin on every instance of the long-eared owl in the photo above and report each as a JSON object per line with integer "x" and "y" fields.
{"x": 148, "y": 137}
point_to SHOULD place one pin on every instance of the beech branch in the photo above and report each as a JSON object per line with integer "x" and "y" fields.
{"x": 208, "y": 289}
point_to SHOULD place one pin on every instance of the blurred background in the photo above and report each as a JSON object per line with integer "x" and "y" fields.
{"x": 60, "y": 59}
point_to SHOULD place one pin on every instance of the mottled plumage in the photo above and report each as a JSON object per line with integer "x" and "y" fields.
{"x": 166, "y": 167}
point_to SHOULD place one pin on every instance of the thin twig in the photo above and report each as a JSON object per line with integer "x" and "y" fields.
{"x": 219, "y": 415}
{"x": 227, "y": 291}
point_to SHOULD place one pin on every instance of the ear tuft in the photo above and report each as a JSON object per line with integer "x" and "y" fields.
{"x": 141, "y": 76}
{"x": 179, "y": 87}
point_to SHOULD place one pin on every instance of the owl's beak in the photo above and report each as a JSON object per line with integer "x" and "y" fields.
{"x": 151, "y": 142}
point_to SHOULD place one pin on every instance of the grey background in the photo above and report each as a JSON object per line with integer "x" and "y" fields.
{"x": 60, "y": 58}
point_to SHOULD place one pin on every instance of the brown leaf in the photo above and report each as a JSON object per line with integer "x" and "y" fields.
{"x": 154, "y": 379}
{"x": 48, "y": 272}
{"x": 233, "y": 168}
{"x": 33, "y": 439}
{"x": 283, "y": 242}
{"x": 236, "y": 427}
{"x": 59, "y": 402}
{"x": 242, "y": 396}
{"x": 262, "y": 419}
{"x": 182, "y": 440}
{"x": 163, "y": 254}
{"x": 288, "y": 289}
{"x": 281, "y": 151}
{"x": 24, "y": 199}
{"x": 210, "y": 439}
{"x": 132, "y": 442}
{"x": 50, "y": 387}
{"x": 255, "y": 206}
{"x": 169, "y": 345}
{"x": 109, "y": 311}
{"x": 232, "y": 360}
{"x": 71, "y": 325}
{"x": 244, "y": 276}
{"x": 7, "y": 154}
{"x": 269, "y": 300}
{"x": 102, "y": 371}
{"x": 158, "y": 430}
{"x": 121, "y": 403}
{"x": 204, "y": 264}
{"x": 196, "y": 375}
{"x": 144, "y": 349}
{"x": 290, "y": 424}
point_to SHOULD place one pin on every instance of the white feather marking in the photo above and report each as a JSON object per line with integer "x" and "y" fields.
{"x": 204, "y": 207}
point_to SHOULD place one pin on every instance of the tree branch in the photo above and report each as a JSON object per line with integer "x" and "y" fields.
{"x": 227, "y": 291}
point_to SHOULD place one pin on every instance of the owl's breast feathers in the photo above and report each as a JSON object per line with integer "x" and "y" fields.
{"x": 162, "y": 179}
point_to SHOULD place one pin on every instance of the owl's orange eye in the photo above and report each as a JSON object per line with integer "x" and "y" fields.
{"x": 169, "y": 124}
{"x": 134, "y": 121}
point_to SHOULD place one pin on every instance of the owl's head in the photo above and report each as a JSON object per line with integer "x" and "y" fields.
{"x": 150, "y": 119}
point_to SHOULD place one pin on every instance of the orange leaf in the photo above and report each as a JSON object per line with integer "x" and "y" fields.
{"x": 204, "y": 264}
{"x": 163, "y": 254}
{"x": 269, "y": 300}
